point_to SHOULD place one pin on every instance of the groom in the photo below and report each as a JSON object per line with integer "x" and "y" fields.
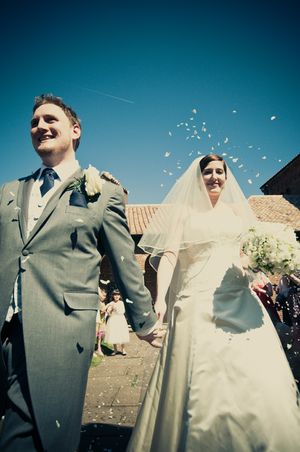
{"x": 54, "y": 227}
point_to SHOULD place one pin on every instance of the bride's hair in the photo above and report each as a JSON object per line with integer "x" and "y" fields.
{"x": 212, "y": 158}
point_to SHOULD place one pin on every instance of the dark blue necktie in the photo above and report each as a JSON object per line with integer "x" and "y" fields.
{"x": 48, "y": 176}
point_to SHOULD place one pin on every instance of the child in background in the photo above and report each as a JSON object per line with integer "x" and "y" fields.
{"x": 100, "y": 319}
{"x": 116, "y": 327}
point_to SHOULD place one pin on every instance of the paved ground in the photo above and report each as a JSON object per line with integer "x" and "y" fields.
{"x": 116, "y": 388}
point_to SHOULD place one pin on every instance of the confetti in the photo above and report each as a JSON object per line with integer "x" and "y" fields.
{"x": 226, "y": 140}
{"x": 257, "y": 174}
{"x": 235, "y": 159}
{"x": 161, "y": 185}
{"x": 11, "y": 193}
{"x": 128, "y": 301}
{"x": 234, "y": 111}
{"x": 194, "y": 111}
{"x": 224, "y": 153}
{"x": 167, "y": 154}
{"x": 103, "y": 281}
{"x": 241, "y": 165}
{"x": 264, "y": 157}
{"x": 170, "y": 173}
{"x": 249, "y": 181}
{"x": 79, "y": 220}
{"x": 273, "y": 118}
{"x": 57, "y": 423}
{"x": 145, "y": 314}
{"x": 122, "y": 258}
{"x": 288, "y": 346}
{"x": 170, "y": 133}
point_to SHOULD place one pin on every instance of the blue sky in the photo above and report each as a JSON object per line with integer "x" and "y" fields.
{"x": 135, "y": 71}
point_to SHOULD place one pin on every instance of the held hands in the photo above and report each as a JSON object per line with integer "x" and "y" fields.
{"x": 256, "y": 287}
{"x": 155, "y": 337}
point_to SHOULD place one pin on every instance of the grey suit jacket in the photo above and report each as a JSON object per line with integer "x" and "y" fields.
{"x": 59, "y": 264}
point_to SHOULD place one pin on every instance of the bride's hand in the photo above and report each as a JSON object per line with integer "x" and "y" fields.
{"x": 160, "y": 308}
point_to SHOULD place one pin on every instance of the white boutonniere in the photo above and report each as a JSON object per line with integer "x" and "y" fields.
{"x": 92, "y": 181}
{"x": 89, "y": 185}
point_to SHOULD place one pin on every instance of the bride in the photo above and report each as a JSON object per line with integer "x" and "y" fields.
{"x": 222, "y": 382}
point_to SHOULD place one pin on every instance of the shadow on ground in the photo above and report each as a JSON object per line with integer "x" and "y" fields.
{"x": 104, "y": 438}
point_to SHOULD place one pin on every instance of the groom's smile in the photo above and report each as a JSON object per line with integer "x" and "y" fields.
{"x": 53, "y": 134}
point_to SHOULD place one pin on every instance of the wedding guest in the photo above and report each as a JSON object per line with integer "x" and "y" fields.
{"x": 117, "y": 329}
{"x": 288, "y": 299}
{"x": 210, "y": 389}
{"x": 55, "y": 225}
{"x": 100, "y": 319}
{"x": 265, "y": 294}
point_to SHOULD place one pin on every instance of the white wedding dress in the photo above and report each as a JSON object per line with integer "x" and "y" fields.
{"x": 221, "y": 382}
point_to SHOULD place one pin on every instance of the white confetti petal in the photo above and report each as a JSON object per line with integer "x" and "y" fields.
{"x": 264, "y": 157}
{"x": 194, "y": 111}
{"x": 279, "y": 160}
{"x": 122, "y": 258}
{"x": 234, "y": 111}
{"x": 104, "y": 281}
{"x": 249, "y": 181}
{"x": 224, "y": 153}
{"x": 209, "y": 135}
{"x": 226, "y": 140}
{"x": 17, "y": 208}
{"x": 241, "y": 165}
{"x": 235, "y": 159}
{"x": 79, "y": 220}
{"x": 145, "y": 314}
{"x": 11, "y": 193}
{"x": 128, "y": 301}
{"x": 192, "y": 119}
{"x": 199, "y": 153}
{"x": 288, "y": 346}
{"x": 57, "y": 423}
{"x": 167, "y": 154}
{"x": 170, "y": 133}
{"x": 165, "y": 171}
{"x": 195, "y": 132}
{"x": 273, "y": 118}
{"x": 161, "y": 185}
{"x": 170, "y": 173}
{"x": 257, "y": 174}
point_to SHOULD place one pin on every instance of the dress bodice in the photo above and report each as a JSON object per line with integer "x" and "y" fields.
{"x": 218, "y": 252}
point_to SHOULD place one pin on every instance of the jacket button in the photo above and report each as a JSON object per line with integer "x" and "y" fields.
{"x": 25, "y": 252}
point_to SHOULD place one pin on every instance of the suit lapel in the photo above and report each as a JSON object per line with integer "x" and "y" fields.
{"x": 23, "y": 201}
{"x": 52, "y": 203}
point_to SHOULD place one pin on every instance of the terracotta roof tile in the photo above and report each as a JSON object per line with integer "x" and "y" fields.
{"x": 278, "y": 208}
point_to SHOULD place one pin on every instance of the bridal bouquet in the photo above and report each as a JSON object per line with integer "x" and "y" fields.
{"x": 272, "y": 248}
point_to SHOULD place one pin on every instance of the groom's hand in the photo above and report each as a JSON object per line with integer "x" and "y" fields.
{"x": 155, "y": 337}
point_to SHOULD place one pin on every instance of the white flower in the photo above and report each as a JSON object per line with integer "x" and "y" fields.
{"x": 272, "y": 247}
{"x": 93, "y": 182}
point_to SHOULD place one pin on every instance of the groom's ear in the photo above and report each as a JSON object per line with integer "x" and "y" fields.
{"x": 110, "y": 178}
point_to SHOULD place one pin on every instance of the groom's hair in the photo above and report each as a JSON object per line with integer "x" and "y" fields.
{"x": 69, "y": 112}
